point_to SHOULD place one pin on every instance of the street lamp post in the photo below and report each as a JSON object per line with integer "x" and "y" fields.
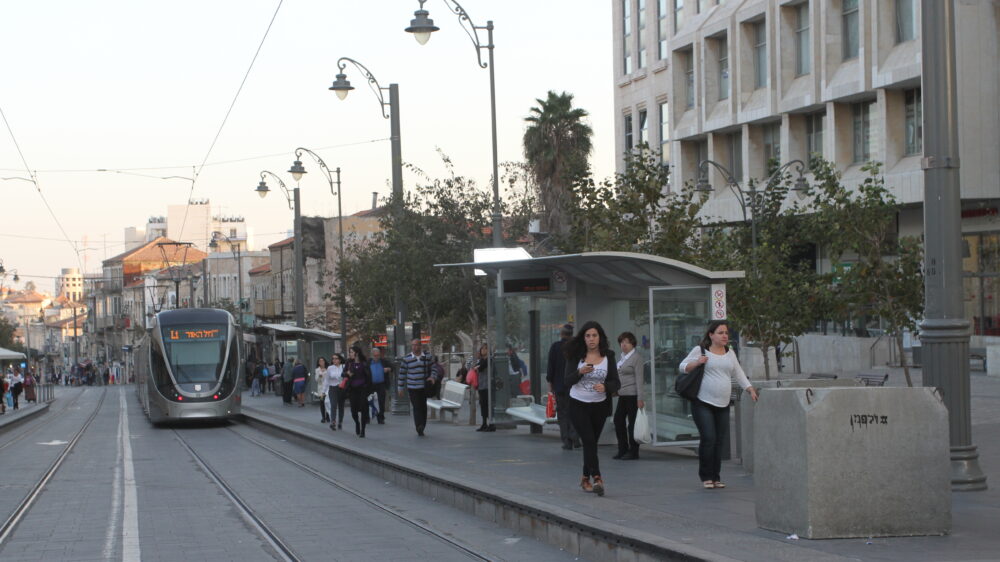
{"x": 944, "y": 332}
{"x": 749, "y": 198}
{"x": 293, "y": 203}
{"x": 342, "y": 86}
{"x": 297, "y": 170}
{"x": 214, "y": 244}
{"x": 421, "y": 27}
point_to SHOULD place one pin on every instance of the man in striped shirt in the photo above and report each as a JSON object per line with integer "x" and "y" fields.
{"x": 414, "y": 373}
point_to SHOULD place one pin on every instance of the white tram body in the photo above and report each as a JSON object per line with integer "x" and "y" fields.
{"x": 188, "y": 366}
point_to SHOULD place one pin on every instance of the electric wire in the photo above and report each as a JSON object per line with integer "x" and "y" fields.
{"x": 194, "y": 177}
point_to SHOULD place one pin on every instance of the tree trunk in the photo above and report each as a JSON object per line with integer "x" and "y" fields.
{"x": 902, "y": 360}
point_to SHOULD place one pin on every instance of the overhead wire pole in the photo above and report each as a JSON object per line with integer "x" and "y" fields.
{"x": 944, "y": 332}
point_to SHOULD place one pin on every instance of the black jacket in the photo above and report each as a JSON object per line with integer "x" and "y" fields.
{"x": 612, "y": 383}
{"x": 557, "y": 367}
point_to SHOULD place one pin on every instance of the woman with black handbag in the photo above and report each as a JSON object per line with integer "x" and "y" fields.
{"x": 710, "y": 409}
{"x": 359, "y": 382}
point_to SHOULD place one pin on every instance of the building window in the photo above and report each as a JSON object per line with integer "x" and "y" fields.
{"x": 814, "y": 135}
{"x": 641, "y": 36}
{"x": 734, "y": 144}
{"x": 628, "y": 133}
{"x": 701, "y": 6}
{"x": 760, "y": 54}
{"x": 643, "y": 127}
{"x": 803, "y": 51}
{"x": 661, "y": 31}
{"x": 664, "y": 133}
{"x": 914, "y": 122}
{"x": 862, "y": 131}
{"x": 849, "y": 35}
{"x": 627, "y": 36}
{"x": 906, "y": 21}
{"x": 771, "y": 134}
{"x": 678, "y": 14}
{"x": 689, "y": 78}
{"x": 723, "y": 46}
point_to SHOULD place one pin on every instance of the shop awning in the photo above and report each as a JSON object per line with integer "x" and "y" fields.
{"x": 610, "y": 268}
{"x": 286, "y": 332}
{"x": 9, "y": 355}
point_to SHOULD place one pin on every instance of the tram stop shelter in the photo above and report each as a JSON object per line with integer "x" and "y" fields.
{"x": 317, "y": 343}
{"x": 665, "y": 303}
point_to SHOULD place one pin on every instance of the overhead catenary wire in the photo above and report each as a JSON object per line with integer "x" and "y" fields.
{"x": 34, "y": 181}
{"x": 194, "y": 177}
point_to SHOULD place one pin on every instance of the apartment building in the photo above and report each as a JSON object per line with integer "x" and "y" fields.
{"x": 742, "y": 82}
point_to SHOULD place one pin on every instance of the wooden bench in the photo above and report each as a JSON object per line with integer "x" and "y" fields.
{"x": 821, "y": 376}
{"x": 978, "y": 353}
{"x": 872, "y": 378}
{"x": 452, "y": 398}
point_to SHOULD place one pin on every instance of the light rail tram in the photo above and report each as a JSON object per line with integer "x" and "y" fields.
{"x": 188, "y": 366}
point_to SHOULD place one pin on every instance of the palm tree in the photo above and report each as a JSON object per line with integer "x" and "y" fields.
{"x": 557, "y": 147}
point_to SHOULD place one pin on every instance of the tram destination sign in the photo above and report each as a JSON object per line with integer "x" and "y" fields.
{"x": 193, "y": 334}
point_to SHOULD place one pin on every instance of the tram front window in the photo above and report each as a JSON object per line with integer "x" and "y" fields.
{"x": 196, "y": 353}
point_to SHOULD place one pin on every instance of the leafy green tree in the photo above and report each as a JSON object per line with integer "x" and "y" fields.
{"x": 439, "y": 221}
{"x": 634, "y": 211}
{"x": 557, "y": 145}
{"x": 885, "y": 279}
{"x": 7, "y": 329}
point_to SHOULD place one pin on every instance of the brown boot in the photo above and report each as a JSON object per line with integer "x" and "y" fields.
{"x": 585, "y": 484}
{"x": 598, "y": 486}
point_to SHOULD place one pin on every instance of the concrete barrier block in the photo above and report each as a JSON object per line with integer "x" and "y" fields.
{"x": 852, "y": 462}
{"x": 745, "y": 410}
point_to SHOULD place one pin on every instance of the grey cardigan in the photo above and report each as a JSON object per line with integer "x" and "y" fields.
{"x": 632, "y": 376}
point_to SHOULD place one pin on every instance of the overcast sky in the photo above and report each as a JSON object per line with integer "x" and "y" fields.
{"x": 143, "y": 87}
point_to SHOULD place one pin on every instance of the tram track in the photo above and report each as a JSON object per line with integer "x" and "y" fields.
{"x": 277, "y": 542}
{"x": 36, "y": 424}
{"x": 25, "y": 504}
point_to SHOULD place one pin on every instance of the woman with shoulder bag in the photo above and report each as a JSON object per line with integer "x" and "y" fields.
{"x": 711, "y": 408}
{"x": 359, "y": 382}
{"x": 592, "y": 377}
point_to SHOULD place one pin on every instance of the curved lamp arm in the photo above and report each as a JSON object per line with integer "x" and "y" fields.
{"x": 372, "y": 82}
{"x": 281, "y": 184}
{"x": 326, "y": 169}
{"x": 799, "y": 164}
{"x": 471, "y": 29}
{"x": 730, "y": 181}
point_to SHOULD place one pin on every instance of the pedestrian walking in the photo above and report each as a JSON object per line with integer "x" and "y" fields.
{"x": 286, "y": 382}
{"x": 255, "y": 379}
{"x": 414, "y": 376}
{"x": 321, "y": 369}
{"x": 711, "y": 409}
{"x": 358, "y": 387}
{"x": 554, "y": 375}
{"x": 629, "y": 397}
{"x": 381, "y": 371}
{"x": 16, "y": 386}
{"x": 592, "y": 375}
{"x": 478, "y": 379}
{"x": 335, "y": 394}
{"x": 300, "y": 375}
{"x": 29, "y": 389}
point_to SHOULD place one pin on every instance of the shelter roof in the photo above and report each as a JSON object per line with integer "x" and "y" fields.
{"x": 286, "y": 332}
{"x": 8, "y": 354}
{"x": 611, "y": 268}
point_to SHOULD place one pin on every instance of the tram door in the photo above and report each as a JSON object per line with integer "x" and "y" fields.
{"x": 678, "y": 317}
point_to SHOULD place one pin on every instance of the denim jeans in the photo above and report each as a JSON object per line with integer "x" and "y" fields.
{"x": 713, "y": 427}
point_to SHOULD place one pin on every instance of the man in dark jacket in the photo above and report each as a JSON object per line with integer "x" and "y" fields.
{"x": 554, "y": 375}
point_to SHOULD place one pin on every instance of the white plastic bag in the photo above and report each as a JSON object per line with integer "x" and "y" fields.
{"x": 642, "y": 434}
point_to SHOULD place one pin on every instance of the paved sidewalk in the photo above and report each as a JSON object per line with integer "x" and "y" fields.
{"x": 660, "y": 493}
{"x": 24, "y": 411}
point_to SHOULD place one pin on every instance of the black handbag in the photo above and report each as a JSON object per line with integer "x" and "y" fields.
{"x": 689, "y": 383}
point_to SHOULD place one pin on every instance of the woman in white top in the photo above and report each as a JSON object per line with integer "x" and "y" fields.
{"x": 592, "y": 377}
{"x": 334, "y": 394}
{"x": 711, "y": 410}
{"x": 321, "y": 368}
